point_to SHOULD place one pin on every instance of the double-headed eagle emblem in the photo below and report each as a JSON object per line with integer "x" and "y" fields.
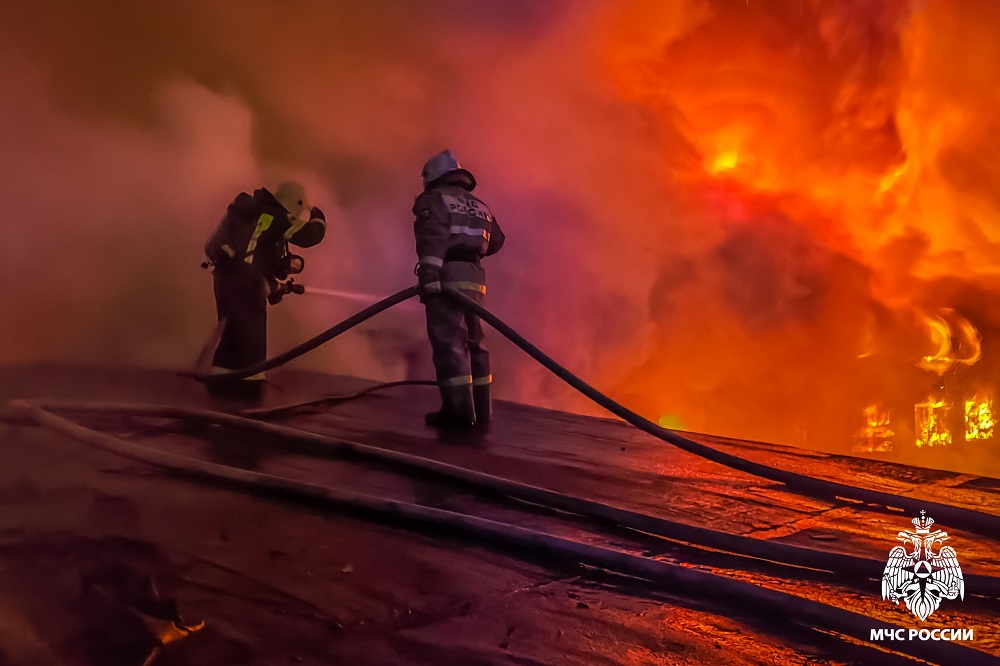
{"x": 920, "y": 575}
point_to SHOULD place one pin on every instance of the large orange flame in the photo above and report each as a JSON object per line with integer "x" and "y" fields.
{"x": 841, "y": 160}
{"x": 962, "y": 345}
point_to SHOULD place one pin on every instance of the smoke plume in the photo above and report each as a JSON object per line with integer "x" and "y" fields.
{"x": 750, "y": 218}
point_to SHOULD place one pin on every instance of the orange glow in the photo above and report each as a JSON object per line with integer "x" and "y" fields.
{"x": 725, "y": 152}
{"x": 962, "y": 345}
{"x": 671, "y": 422}
{"x": 840, "y": 153}
{"x": 889, "y": 181}
{"x": 979, "y": 419}
{"x": 723, "y": 162}
{"x": 972, "y": 341}
{"x": 930, "y": 421}
{"x": 876, "y": 436}
{"x": 763, "y": 216}
{"x": 940, "y": 336}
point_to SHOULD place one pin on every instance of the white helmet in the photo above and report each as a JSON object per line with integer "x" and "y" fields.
{"x": 442, "y": 164}
{"x": 292, "y": 196}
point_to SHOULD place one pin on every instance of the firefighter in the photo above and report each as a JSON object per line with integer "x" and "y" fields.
{"x": 454, "y": 230}
{"x": 251, "y": 263}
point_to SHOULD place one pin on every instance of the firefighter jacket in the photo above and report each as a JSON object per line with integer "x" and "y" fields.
{"x": 453, "y": 225}
{"x": 256, "y": 230}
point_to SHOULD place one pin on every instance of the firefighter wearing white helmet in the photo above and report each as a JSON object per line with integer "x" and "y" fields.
{"x": 249, "y": 253}
{"x": 454, "y": 230}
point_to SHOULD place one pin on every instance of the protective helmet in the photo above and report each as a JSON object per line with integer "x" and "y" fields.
{"x": 292, "y": 196}
{"x": 441, "y": 164}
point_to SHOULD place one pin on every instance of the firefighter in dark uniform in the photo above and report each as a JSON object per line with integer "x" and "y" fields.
{"x": 249, "y": 253}
{"x": 454, "y": 230}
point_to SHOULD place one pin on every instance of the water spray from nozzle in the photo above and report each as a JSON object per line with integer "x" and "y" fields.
{"x": 351, "y": 296}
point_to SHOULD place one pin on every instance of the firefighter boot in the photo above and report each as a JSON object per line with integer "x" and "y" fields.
{"x": 483, "y": 404}
{"x": 457, "y": 411}
{"x": 247, "y": 391}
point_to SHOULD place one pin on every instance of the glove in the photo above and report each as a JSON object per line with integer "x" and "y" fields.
{"x": 293, "y": 264}
{"x": 275, "y": 292}
{"x": 316, "y": 213}
{"x": 429, "y": 278}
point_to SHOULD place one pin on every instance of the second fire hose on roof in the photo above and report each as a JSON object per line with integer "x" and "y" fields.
{"x": 961, "y": 518}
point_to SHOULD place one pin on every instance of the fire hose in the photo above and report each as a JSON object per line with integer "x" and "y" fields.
{"x": 302, "y": 441}
{"x": 312, "y": 343}
{"x": 264, "y": 412}
{"x": 667, "y": 576}
{"x": 970, "y": 520}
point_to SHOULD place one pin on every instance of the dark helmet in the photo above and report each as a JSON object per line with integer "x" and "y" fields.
{"x": 441, "y": 165}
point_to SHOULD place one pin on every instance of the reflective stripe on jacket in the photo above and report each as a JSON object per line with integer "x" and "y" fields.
{"x": 257, "y": 229}
{"x": 449, "y": 217}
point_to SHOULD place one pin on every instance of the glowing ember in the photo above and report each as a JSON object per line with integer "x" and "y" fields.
{"x": 979, "y": 421}
{"x": 876, "y": 435}
{"x": 930, "y": 421}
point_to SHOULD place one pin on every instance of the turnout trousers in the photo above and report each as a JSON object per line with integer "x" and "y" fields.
{"x": 241, "y": 300}
{"x": 461, "y": 360}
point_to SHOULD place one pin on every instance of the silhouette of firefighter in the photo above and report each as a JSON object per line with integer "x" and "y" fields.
{"x": 251, "y": 268}
{"x": 454, "y": 230}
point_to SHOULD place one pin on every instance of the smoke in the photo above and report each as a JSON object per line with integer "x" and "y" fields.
{"x": 739, "y": 216}
{"x": 129, "y": 128}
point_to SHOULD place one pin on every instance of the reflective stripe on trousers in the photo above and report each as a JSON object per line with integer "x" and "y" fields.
{"x": 464, "y": 285}
{"x": 260, "y": 376}
{"x": 456, "y": 337}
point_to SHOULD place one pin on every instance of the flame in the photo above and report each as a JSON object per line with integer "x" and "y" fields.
{"x": 725, "y": 161}
{"x": 725, "y": 152}
{"x": 939, "y": 361}
{"x": 890, "y": 180}
{"x": 962, "y": 345}
{"x": 932, "y": 430}
{"x": 876, "y": 436}
{"x": 972, "y": 342}
{"x": 979, "y": 421}
{"x": 865, "y": 128}
{"x": 868, "y": 338}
